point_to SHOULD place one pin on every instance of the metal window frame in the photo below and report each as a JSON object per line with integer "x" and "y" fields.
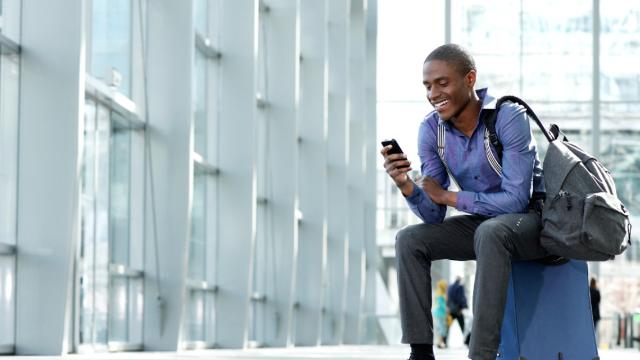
{"x": 120, "y": 270}
{"x": 202, "y": 166}
{"x": 122, "y": 346}
{"x": 203, "y": 44}
{"x": 197, "y": 345}
{"x": 203, "y": 286}
{"x": 7, "y": 349}
{"x": 8, "y": 46}
{"x": 115, "y": 101}
{"x": 7, "y": 249}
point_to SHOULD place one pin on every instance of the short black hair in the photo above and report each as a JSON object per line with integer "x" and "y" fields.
{"x": 454, "y": 54}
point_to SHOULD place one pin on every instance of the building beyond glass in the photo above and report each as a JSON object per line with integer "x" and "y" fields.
{"x": 574, "y": 62}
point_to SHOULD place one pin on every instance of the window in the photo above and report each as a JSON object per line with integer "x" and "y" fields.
{"x": 110, "y": 256}
{"x": 199, "y": 322}
{"x": 9, "y": 92}
{"x": 110, "y": 43}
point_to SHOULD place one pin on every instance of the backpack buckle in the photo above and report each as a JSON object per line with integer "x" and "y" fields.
{"x": 493, "y": 138}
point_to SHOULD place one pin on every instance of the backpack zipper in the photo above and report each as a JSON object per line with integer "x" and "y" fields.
{"x": 565, "y": 194}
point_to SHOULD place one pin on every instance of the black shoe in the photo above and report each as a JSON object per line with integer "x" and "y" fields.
{"x": 411, "y": 357}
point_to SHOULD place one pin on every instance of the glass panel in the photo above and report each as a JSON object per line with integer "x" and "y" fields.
{"x": 210, "y": 317}
{"x": 620, "y": 95}
{"x": 9, "y": 75}
{"x": 111, "y": 35}
{"x": 136, "y": 310}
{"x": 620, "y": 153}
{"x": 87, "y": 230}
{"x": 120, "y": 192}
{"x": 110, "y": 307}
{"x": 197, "y": 245}
{"x": 200, "y": 9}
{"x": 136, "y": 201}
{"x": 560, "y": 41}
{"x": 620, "y": 28}
{"x": 118, "y": 319}
{"x": 94, "y": 251}
{"x": 200, "y": 111}
{"x": 195, "y": 317}
{"x": 211, "y": 223}
{"x": 10, "y": 19}
{"x": 486, "y": 29}
{"x": 101, "y": 256}
{"x": 7, "y": 299}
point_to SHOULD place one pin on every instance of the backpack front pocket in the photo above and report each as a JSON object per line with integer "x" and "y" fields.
{"x": 606, "y": 227}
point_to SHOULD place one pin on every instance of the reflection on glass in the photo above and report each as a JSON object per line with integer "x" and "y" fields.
{"x": 118, "y": 324}
{"x": 200, "y": 9}
{"x": 619, "y": 33}
{"x": 118, "y": 310}
{"x": 7, "y": 299}
{"x": 620, "y": 153}
{"x": 136, "y": 310}
{"x": 110, "y": 307}
{"x": 119, "y": 208}
{"x": 94, "y": 249}
{"x": 210, "y": 316}
{"x": 111, "y": 35}
{"x": 9, "y": 74}
{"x": 200, "y": 111}
{"x": 195, "y": 318}
{"x": 197, "y": 244}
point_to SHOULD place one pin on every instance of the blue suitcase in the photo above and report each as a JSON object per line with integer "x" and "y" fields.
{"x": 548, "y": 313}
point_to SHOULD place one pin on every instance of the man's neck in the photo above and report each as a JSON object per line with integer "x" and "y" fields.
{"x": 467, "y": 121}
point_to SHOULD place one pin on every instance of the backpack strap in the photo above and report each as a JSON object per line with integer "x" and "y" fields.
{"x": 490, "y": 138}
{"x": 493, "y": 162}
{"x": 532, "y": 115}
{"x": 441, "y": 141}
{"x": 489, "y": 118}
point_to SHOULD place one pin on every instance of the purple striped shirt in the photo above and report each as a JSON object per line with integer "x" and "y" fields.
{"x": 483, "y": 191}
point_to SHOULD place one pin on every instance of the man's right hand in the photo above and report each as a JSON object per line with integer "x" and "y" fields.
{"x": 397, "y": 166}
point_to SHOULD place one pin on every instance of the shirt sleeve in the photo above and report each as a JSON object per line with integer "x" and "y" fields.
{"x": 518, "y": 161}
{"x": 430, "y": 165}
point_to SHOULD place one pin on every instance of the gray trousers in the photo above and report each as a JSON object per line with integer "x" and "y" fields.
{"x": 493, "y": 243}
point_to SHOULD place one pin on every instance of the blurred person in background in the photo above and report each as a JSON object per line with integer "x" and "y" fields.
{"x": 594, "y": 293}
{"x": 457, "y": 302}
{"x": 440, "y": 322}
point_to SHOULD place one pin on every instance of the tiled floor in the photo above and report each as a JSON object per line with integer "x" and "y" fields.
{"x": 325, "y": 352}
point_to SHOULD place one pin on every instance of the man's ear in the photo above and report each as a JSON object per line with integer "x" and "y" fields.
{"x": 470, "y": 78}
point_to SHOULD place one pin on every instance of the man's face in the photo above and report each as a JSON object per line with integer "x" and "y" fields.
{"x": 447, "y": 90}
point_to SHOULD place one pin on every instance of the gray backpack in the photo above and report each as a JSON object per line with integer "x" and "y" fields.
{"x": 582, "y": 216}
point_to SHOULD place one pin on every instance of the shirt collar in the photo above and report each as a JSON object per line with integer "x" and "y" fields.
{"x": 488, "y": 102}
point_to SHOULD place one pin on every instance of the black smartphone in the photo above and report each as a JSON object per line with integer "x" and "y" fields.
{"x": 395, "y": 148}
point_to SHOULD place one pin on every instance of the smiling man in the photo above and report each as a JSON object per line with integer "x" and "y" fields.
{"x": 501, "y": 224}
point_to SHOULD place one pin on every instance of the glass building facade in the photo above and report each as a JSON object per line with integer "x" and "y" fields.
{"x": 154, "y": 187}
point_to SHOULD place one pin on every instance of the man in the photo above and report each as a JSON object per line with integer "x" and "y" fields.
{"x": 456, "y": 302}
{"x": 500, "y": 227}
